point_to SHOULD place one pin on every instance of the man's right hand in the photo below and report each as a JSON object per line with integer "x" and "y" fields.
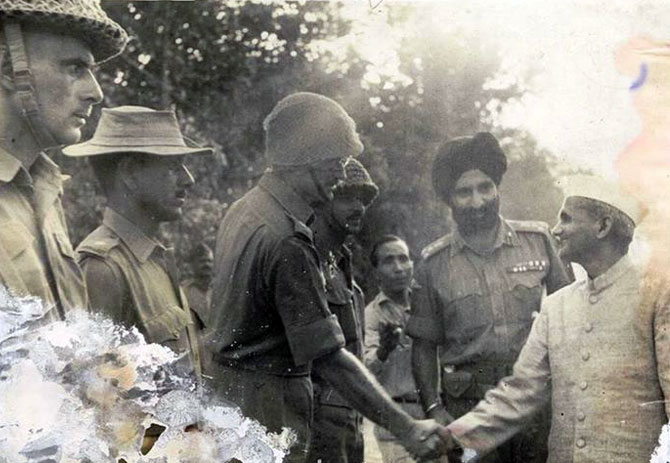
{"x": 389, "y": 338}
{"x": 428, "y": 440}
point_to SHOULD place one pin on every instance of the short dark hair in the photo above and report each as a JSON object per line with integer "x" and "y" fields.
{"x": 623, "y": 227}
{"x": 104, "y": 168}
{"x": 374, "y": 259}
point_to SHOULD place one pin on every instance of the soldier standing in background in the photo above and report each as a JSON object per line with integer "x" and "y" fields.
{"x": 47, "y": 88}
{"x": 337, "y": 428}
{"x": 388, "y": 349}
{"x": 479, "y": 289}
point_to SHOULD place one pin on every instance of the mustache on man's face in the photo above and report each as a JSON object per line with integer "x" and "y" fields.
{"x": 470, "y": 219}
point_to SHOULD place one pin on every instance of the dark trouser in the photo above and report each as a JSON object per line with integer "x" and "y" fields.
{"x": 337, "y": 435}
{"x": 274, "y": 401}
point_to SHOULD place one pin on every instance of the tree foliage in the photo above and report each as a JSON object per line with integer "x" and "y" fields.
{"x": 223, "y": 65}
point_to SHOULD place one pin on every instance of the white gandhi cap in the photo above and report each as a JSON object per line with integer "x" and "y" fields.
{"x": 606, "y": 191}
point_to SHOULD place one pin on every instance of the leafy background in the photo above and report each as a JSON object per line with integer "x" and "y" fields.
{"x": 408, "y": 84}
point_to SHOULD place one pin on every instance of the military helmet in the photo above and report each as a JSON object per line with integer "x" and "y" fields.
{"x": 358, "y": 179}
{"x": 84, "y": 19}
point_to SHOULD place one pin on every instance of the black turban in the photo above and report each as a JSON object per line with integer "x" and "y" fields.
{"x": 462, "y": 154}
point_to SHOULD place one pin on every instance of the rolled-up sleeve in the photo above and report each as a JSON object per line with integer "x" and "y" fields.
{"x": 425, "y": 321}
{"x": 311, "y": 329}
{"x": 372, "y": 339}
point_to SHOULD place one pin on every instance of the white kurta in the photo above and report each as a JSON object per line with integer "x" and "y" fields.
{"x": 600, "y": 351}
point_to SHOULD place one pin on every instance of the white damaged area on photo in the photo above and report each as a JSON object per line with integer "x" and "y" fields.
{"x": 85, "y": 390}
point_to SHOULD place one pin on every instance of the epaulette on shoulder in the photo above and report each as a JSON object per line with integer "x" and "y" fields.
{"x": 98, "y": 243}
{"x": 529, "y": 226}
{"x": 436, "y": 246}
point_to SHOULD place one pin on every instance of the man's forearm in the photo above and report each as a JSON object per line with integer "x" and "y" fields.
{"x": 358, "y": 386}
{"x": 425, "y": 367}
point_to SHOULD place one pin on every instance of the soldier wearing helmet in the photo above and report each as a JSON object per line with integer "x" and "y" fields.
{"x": 47, "y": 51}
{"x": 337, "y": 428}
{"x": 269, "y": 317}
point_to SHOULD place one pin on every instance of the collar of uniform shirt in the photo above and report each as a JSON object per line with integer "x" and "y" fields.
{"x": 506, "y": 235}
{"x": 139, "y": 244}
{"x": 616, "y": 271}
{"x": 287, "y": 197}
{"x": 10, "y": 167}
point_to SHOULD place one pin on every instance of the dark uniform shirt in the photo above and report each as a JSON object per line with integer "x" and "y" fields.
{"x": 346, "y": 302}
{"x": 142, "y": 275}
{"x": 36, "y": 257}
{"x": 269, "y": 310}
{"x": 480, "y": 307}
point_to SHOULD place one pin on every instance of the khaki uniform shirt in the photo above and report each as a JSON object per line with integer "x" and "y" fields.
{"x": 395, "y": 373}
{"x": 144, "y": 274}
{"x": 36, "y": 257}
{"x": 600, "y": 351}
{"x": 480, "y": 308}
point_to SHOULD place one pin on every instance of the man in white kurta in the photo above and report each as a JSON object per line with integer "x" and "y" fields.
{"x": 599, "y": 349}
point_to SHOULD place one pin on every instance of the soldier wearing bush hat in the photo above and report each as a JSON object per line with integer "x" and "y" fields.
{"x": 138, "y": 155}
{"x": 47, "y": 52}
{"x": 480, "y": 287}
{"x": 270, "y": 321}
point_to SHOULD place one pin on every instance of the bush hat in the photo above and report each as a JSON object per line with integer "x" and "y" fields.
{"x": 136, "y": 129}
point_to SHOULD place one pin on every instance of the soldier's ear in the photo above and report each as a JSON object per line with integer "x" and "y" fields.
{"x": 605, "y": 226}
{"x": 126, "y": 173}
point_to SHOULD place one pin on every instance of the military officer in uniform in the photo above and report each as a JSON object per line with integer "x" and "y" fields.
{"x": 47, "y": 88}
{"x": 137, "y": 155}
{"x": 337, "y": 435}
{"x": 479, "y": 289}
{"x": 599, "y": 351}
{"x": 270, "y": 325}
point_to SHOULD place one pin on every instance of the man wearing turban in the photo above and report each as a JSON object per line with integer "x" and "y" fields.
{"x": 480, "y": 288}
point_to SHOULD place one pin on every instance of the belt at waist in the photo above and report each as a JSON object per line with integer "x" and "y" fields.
{"x": 487, "y": 372}
{"x": 407, "y": 399}
{"x": 271, "y": 366}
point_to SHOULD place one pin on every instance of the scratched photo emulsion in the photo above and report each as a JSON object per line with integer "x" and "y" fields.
{"x": 363, "y": 231}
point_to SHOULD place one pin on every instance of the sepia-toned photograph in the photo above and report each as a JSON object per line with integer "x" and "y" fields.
{"x": 354, "y": 231}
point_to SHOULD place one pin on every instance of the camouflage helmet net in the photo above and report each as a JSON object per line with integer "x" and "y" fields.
{"x": 84, "y": 19}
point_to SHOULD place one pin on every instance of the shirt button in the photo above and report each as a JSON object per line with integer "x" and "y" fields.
{"x": 583, "y": 385}
{"x": 581, "y": 443}
{"x": 581, "y": 416}
{"x": 585, "y": 356}
{"x": 593, "y": 298}
{"x": 589, "y": 327}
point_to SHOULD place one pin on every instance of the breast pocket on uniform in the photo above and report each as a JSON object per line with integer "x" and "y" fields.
{"x": 525, "y": 295}
{"x": 467, "y": 317}
{"x": 24, "y": 263}
{"x": 167, "y": 326}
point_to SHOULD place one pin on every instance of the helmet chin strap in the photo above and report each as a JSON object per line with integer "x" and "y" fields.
{"x": 326, "y": 195}
{"x": 25, "y": 88}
